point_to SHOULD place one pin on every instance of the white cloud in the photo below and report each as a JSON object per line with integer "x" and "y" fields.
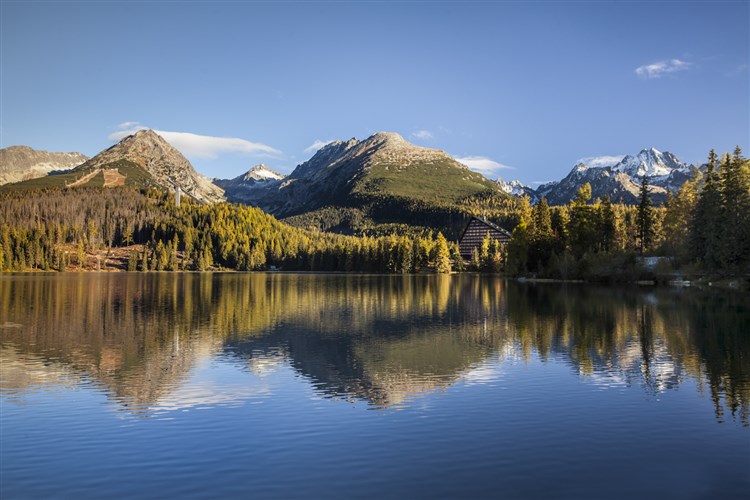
{"x": 202, "y": 146}
{"x": 601, "y": 161}
{"x": 316, "y": 145}
{"x": 661, "y": 68}
{"x": 130, "y": 126}
{"x": 482, "y": 164}
{"x": 422, "y": 134}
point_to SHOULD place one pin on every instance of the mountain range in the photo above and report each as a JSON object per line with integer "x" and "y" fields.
{"x": 616, "y": 177}
{"x": 346, "y": 184}
{"x": 143, "y": 159}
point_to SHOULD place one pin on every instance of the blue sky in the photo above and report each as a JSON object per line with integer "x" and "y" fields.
{"x": 532, "y": 86}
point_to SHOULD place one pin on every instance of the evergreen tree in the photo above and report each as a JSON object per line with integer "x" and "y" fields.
{"x": 735, "y": 211}
{"x": 645, "y": 217}
{"x": 582, "y": 226}
{"x": 706, "y": 227}
{"x": 608, "y": 224}
{"x": 542, "y": 220}
{"x": 542, "y": 237}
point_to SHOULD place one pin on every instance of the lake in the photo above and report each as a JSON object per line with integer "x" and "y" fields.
{"x": 349, "y": 386}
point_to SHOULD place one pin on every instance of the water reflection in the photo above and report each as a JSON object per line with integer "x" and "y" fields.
{"x": 384, "y": 340}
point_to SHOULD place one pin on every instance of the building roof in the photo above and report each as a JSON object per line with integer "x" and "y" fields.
{"x": 475, "y": 232}
{"x": 486, "y": 223}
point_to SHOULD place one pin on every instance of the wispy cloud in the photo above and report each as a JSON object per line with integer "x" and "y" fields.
{"x": 601, "y": 161}
{"x": 200, "y": 146}
{"x": 482, "y": 164}
{"x": 130, "y": 126}
{"x": 316, "y": 145}
{"x": 737, "y": 70}
{"x": 661, "y": 68}
{"x": 422, "y": 134}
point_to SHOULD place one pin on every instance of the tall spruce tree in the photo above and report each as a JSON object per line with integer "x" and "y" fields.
{"x": 582, "y": 226}
{"x": 645, "y": 217}
{"x": 608, "y": 224}
{"x": 542, "y": 241}
{"x": 735, "y": 211}
{"x": 706, "y": 227}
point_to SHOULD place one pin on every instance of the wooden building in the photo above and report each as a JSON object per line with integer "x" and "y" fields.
{"x": 475, "y": 232}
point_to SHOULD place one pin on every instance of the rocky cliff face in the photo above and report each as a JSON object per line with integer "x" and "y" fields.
{"x": 20, "y": 163}
{"x": 167, "y": 166}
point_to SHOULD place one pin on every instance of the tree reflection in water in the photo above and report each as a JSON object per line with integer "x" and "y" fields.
{"x": 382, "y": 339}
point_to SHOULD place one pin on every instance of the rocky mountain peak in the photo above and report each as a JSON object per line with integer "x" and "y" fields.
{"x": 388, "y": 139}
{"x": 166, "y": 164}
{"x": 650, "y": 163}
{"x": 261, "y": 172}
{"x": 619, "y": 177}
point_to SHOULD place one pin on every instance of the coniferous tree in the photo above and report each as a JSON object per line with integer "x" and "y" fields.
{"x": 645, "y": 217}
{"x": 608, "y": 224}
{"x": 542, "y": 237}
{"x": 706, "y": 228}
{"x": 581, "y": 227}
{"x": 735, "y": 211}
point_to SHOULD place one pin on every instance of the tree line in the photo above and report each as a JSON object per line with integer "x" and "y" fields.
{"x": 60, "y": 229}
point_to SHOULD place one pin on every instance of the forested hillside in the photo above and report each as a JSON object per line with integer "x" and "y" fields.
{"x": 90, "y": 228}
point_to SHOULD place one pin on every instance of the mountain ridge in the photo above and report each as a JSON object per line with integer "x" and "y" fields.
{"x": 20, "y": 163}
{"x": 619, "y": 180}
{"x": 143, "y": 159}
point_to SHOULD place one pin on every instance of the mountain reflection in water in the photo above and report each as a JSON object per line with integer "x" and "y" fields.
{"x": 381, "y": 339}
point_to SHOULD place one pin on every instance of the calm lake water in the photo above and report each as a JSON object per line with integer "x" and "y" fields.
{"x": 320, "y": 386}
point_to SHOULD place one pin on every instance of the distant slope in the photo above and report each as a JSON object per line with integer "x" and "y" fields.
{"x": 143, "y": 159}
{"x": 20, "y": 163}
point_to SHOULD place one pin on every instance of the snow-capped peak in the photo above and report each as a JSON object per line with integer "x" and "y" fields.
{"x": 514, "y": 187}
{"x": 261, "y": 172}
{"x": 650, "y": 163}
